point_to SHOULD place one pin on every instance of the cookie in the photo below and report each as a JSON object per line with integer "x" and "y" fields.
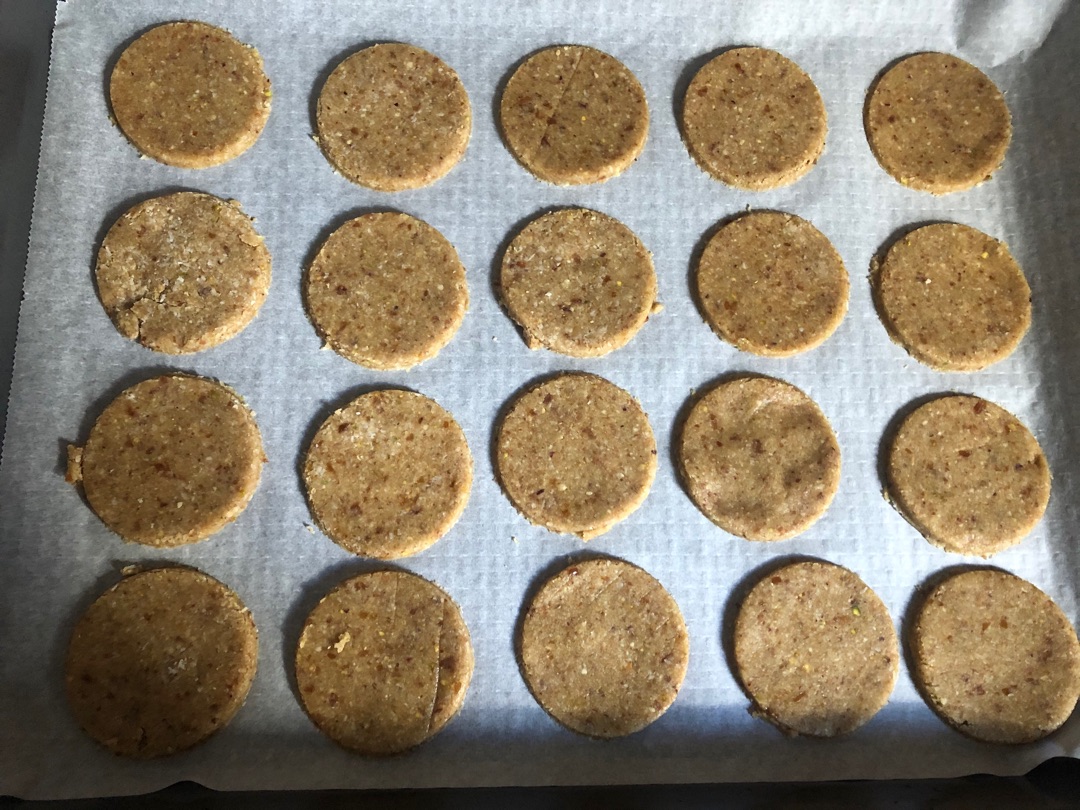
{"x": 968, "y": 475}
{"x": 189, "y": 94}
{"x": 388, "y": 475}
{"x": 815, "y": 649}
{"x": 386, "y": 291}
{"x": 383, "y": 662}
{"x": 772, "y": 284}
{"x": 753, "y": 119}
{"x": 170, "y": 461}
{"x": 574, "y": 115}
{"x": 393, "y": 117}
{"x": 604, "y": 648}
{"x": 936, "y": 123}
{"x": 578, "y": 282}
{"x": 759, "y": 458}
{"x": 995, "y": 657}
{"x": 575, "y": 454}
{"x": 182, "y": 272}
{"x": 160, "y": 661}
{"x": 953, "y": 297}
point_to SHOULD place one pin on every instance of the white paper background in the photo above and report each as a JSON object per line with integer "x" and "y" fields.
{"x": 70, "y": 362}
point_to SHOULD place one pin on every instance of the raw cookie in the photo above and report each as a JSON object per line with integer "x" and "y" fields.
{"x": 383, "y": 662}
{"x": 753, "y": 119}
{"x": 772, "y": 284}
{"x": 386, "y": 291}
{"x": 937, "y": 124}
{"x": 388, "y": 475}
{"x": 393, "y": 117}
{"x": 573, "y": 115}
{"x": 996, "y": 658}
{"x": 759, "y": 458}
{"x": 576, "y": 454}
{"x": 189, "y": 94}
{"x": 604, "y": 648}
{"x": 160, "y": 661}
{"x": 953, "y": 297}
{"x": 170, "y": 461}
{"x": 815, "y": 649}
{"x": 968, "y": 475}
{"x": 578, "y": 282}
{"x": 182, "y": 272}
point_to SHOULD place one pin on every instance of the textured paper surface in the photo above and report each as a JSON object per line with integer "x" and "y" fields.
{"x": 70, "y": 362}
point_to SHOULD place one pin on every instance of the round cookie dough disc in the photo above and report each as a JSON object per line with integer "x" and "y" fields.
{"x": 393, "y": 117}
{"x": 753, "y": 119}
{"x": 383, "y": 662}
{"x": 183, "y": 272}
{"x": 759, "y": 458}
{"x": 953, "y": 297}
{"x": 573, "y": 115}
{"x": 170, "y": 461}
{"x": 576, "y": 454}
{"x": 968, "y": 475}
{"x": 772, "y": 284}
{"x": 815, "y": 649}
{"x": 388, "y": 475}
{"x": 937, "y": 124}
{"x": 604, "y": 648}
{"x": 578, "y": 282}
{"x": 160, "y": 661}
{"x": 996, "y": 658}
{"x": 190, "y": 95}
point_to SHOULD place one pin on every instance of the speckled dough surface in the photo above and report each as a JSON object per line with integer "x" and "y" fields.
{"x": 383, "y": 662}
{"x": 388, "y": 475}
{"x": 386, "y": 291}
{"x": 772, "y": 284}
{"x": 996, "y": 658}
{"x": 182, "y": 272}
{"x": 953, "y": 297}
{"x": 190, "y": 95}
{"x": 937, "y": 123}
{"x": 753, "y": 119}
{"x": 170, "y": 461}
{"x": 604, "y": 648}
{"x": 759, "y": 458}
{"x": 160, "y": 661}
{"x": 393, "y": 117}
{"x": 968, "y": 475}
{"x": 578, "y": 282}
{"x": 573, "y": 115}
{"x": 576, "y": 454}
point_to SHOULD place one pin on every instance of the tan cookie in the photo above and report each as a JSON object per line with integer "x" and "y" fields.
{"x": 772, "y": 284}
{"x": 393, "y": 117}
{"x": 953, "y": 297}
{"x": 388, "y": 475}
{"x": 190, "y": 95}
{"x": 578, "y": 282}
{"x": 759, "y": 458}
{"x": 160, "y": 661}
{"x": 996, "y": 658}
{"x": 170, "y": 461}
{"x": 968, "y": 475}
{"x": 383, "y": 662}
{"x": 753, "y": 119}
{"x": 386, "y": 291}
{"x": 576, "y": 454}
{"x": 937, "y": 124}
{"x": 573, "y": 115}
{"x": 815, "y": 649}
{"x": 604, "y": 648}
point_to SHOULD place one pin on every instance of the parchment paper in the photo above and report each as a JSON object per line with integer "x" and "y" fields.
{"x": 70, "y": 362}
